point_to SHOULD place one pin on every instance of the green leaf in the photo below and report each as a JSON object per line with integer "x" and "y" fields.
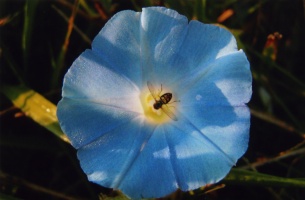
{"x": 36, "y": 107}
{"x": 245, "y": 177}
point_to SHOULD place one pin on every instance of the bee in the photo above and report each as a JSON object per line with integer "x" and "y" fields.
{"x": 161, "y": 101}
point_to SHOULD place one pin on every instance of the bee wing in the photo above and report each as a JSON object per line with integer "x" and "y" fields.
{"x": 152, "y": 90}
{"x": 169, "y": 113}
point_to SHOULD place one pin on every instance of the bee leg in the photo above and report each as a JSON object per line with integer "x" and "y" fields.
{"x": 160, "y": 91}
{"x": 176, "y": 101}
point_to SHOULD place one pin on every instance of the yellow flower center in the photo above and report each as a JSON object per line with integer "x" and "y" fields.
{"x": 155, "y": 116}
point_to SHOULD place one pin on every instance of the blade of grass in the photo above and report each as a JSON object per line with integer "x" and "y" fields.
{"x": 273, "y": 120}
{"x": 275, "y": 159}
{"x": 33, "y": 187}
{"x": 87, "y": 8}
{"x": 281, "y": 69}
{"x": 82, "y": 11}
{"x": 29, "y": 18}
{"x": 101, "y": 11}
{"x": 36, "y": 107}
{"x": 200, "y": 10}
{"x": 61, "y": 57}
{"x": 245, "y": 177}
{"x": 82, "y": 34}
{"x": 10, "y": 63}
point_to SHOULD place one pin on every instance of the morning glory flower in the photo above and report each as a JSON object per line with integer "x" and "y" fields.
{"x": 157, "y": 104}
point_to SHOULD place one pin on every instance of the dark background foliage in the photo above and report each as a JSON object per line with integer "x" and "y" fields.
{"x": 35, "y": 164}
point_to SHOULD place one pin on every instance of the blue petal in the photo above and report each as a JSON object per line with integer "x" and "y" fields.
{"x": 136, "y": 47}
{"x": 151, "y": 174}
{"x": 214, "y": 102}
{"x": 134, "y": 158}
{"x": 90, "y": 79}
{"x": 225, "y": 82}
{"x": 118, "y": 44}
{"x": 162, "y": 32}
{"x": 84, "y": 121}
{"x": 201, "y": 45}
{"x": 108, "y": 159}
{"x": 233, "y": 138}
{"x": 212, "y": 131}
{"x": 224, "y": 127}
{"x": 196, "y": 160}
{"x": 213, "y": 128}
